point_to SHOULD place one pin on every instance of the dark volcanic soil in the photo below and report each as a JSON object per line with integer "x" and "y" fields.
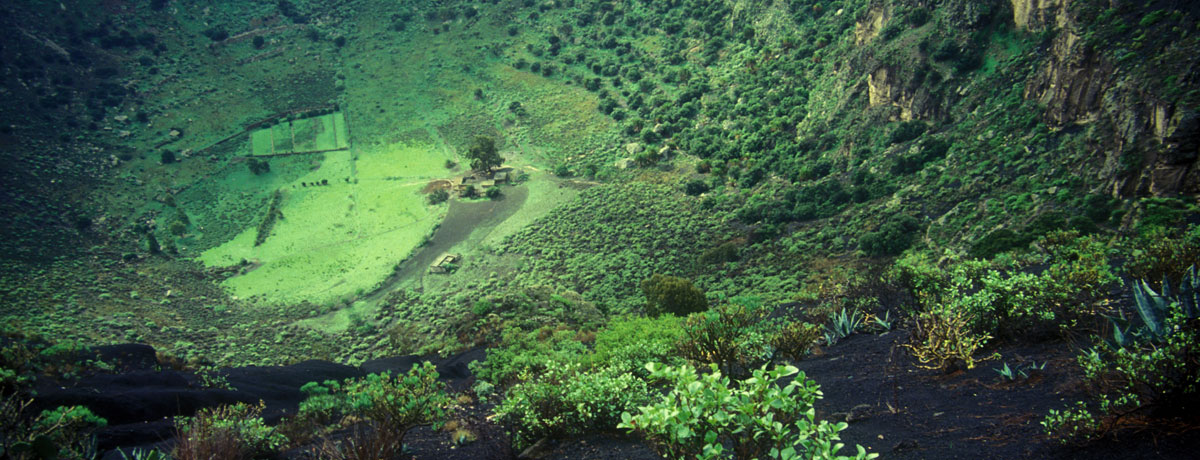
{"x": 894, "y": 408}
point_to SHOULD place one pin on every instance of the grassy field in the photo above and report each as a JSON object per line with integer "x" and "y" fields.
{"x": 333, "y": 242}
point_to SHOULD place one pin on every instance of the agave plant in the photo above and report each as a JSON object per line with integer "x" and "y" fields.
{"x": 844, "y": 324}
{"x": 1154, "y": 308}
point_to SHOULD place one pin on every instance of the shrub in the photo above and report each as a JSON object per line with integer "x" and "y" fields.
{"x": 565, "y": 401}
{"x": 733, "y": 336}
{"x": 669, "y": 294}
{"x": 704, "y": 415}
{"x": 258, "y": 167}
{"x": 695, "y": 187}
{"x": 893, "y": 237}
{"x": 1163, "y": 253}
{"x": 216, "y": 34}
{"x": 1154, "y": 372}
{"x": 629, "y": 343}
{"x": 227, "y": 432}
{"x": 494, "y": 193}
{"x": 438, "y": 196}
{"x": 907, "y": 131}
{"x": 394, "y": 404}
{"x": 167, "y": 157}
{"x": 943, "y": 337}
{"x": 63, "y": 432}
{"x": 795, "y": 339}
{"x": 998, "y": 241}
{"x": 726, "y": 252}
{"x": 527, "y": 352}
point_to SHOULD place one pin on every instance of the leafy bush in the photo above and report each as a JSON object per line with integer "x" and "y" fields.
{"x": 1162, "y": 253}
{"x": 674, "y": 295}
{"x": 1153, "y": 372}
{"x": 629, "y": 343}
{"x": 726, "y": 252}
{"x": 695, "y": 187}
{"x": 438, "y": 196}
{"x": 795, "y": 339}
{"x": 63, "y": 432}
{"x": 907, "y": 131}
{"x": 227, "y": 432}
{"x": 704, "y": 415}
{"x": 943, "y": 338}
{"x": 893, "y": 237}
{"x": 565, "y": 400}
{"x": 527, "y": 352}
{"x": 998, "y": 241}
{"x": 393, "y": 405}
{"x": 734, "y": 336}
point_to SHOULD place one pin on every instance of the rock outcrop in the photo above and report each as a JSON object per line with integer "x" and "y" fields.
{"x": 1079, "y": 85}
{"x": 1037, "y": 15}
{"x": 885, "y": 86}
{"x": 869, "y": 26}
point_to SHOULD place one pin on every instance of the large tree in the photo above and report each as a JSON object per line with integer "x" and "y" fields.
{"x": 483, "y": 154}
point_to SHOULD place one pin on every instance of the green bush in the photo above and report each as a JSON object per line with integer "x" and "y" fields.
{"x": 394, "y": 404}
{"x": 893, "y": 237}
{"x": 1158, "y": 378}
{"x": 232, "y": 432}
{"x": 734, "y": 336}
{"x": 997, "y": 242}
{"x": 674, "y": 295}
{"x": 438, "y": 196}
{"x": 906, "y": 131}
{"x": 726, "y": 252}
{"x": 527, "y": 353}
{"x": 629, "y": 343}
{"x": 706, "y": 416}
{"x": 565, "y": 400}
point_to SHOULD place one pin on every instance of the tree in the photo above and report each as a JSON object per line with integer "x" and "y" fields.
{"x": 483, "y": 154}
{"x": 670, "y": 294}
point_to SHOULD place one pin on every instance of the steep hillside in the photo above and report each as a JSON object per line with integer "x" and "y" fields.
{"x": 265, "y": 182}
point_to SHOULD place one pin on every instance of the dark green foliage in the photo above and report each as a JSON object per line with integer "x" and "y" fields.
{"x": 216, "y": 34}
{"x": 1155, "y": 308}
{"x": 907, "y": 131}
{"x": 177, "y": 228}
{"x": 393, "y": 404}
{"x": 998, "y": 241}
{"x": 931, "y": 150}
{"x": 167, "y": 157}
{"x": 1046, "y": 223}
{"x": 258, "y": 42}
{"x": 494, "y": 193}
{"x": 268, "y": 222}
{"x": 523, "y": 352}
{"x": 258, "y": 167}
{"x": 152, "y": 244}
{"x": 438, "y": 196}
{"x": 695, "y": 187}
{"x": 726, "y": 252}
{"x": 674, "y": 295}
{"x": 483, "y": 154}
{"x": 566, "y": 401}
{"x": 735, "y": 336}
{"x": 893, "y": 237}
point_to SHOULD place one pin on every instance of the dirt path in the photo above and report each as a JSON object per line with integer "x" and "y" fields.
{"x": 462, "y": 219}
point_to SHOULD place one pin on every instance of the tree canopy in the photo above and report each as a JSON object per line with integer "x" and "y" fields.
{"x": 483, "y": 154}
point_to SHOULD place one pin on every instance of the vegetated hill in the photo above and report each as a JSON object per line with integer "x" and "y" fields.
{"x": 980, "y": 175}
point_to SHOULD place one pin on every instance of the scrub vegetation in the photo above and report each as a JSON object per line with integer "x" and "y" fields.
{"x": 680, "y": 228}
